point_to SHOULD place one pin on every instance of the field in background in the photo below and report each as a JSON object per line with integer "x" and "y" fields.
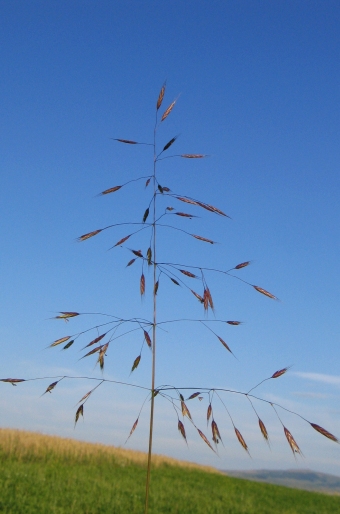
{"x": 50, "y": 475}
{"x": 297, "y": 478}
{"x": 25, "y": 446}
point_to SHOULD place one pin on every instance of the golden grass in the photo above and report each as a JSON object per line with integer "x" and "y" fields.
{"x": 22, "y": 444}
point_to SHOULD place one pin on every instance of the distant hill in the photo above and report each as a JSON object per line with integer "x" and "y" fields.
{"x": 299, "y": 479}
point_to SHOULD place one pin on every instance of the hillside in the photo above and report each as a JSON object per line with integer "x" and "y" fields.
{"x": 300, "y": 479}
{"x": 50, "y": 475}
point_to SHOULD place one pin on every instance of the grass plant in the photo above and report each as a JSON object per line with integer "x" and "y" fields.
{"x": 98, "y": 338}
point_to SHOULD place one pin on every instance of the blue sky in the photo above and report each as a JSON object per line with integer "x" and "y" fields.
{"x": 258, "y": 85}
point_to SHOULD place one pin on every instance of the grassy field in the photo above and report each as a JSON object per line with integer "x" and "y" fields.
{"x": 42, "y": 474}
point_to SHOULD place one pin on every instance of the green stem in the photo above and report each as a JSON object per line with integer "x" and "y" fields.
{"x": 153, "y": 373}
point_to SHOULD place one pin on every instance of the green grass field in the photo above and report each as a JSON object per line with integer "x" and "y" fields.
{"x": 41, "y": 474}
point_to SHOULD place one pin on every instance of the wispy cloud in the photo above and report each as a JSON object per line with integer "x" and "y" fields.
{"x": 319, "y": 377}
{"x": 313, "y": 395}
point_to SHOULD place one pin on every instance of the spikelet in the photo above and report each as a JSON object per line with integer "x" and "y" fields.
{"x": 185, "y": 215}
{"x": 147, "y": 182}
{"x": 96, "y": 340}
{"x": 88, "y": 235}
{"x": 142, "y": 285}
{"x": 199, "y": 297}
{"x": 216, "y": 436}
{"x": 234, "y": 322}
{"x": 203, "y": 239}
{"x": 224, "y": 344}
{"x": 209, "y": 411}
{"x": 211, "y": 208}
{"x": 279, "y": 373}
{"x": 91, "y": 352}
{"x": 210, "y": 299}
{"x": 80, "y": 412}
{"x": 182, "y": 430}
{"x": 263, "y": 430}
{"x": 324, "y": 432}
{"x": 185, "y": 410}
{"x": 85, "y": 396}
{"x": 51, "y": 387}
{"x": 149, "y": 256}
{"x": 241, "y": 440}
{"x": 147, "y": 338}
{"x": 187, "y": 200}
{"x": 205, "y": 439}
{"x": 59, "y": 341}
{"x": 205, "y": 206}
{"x": 121, "y": 241}
{"x": 174, "y": 281}
{"x": 193, "y": 395}
{"x": 132, "y": 429}
{"x": 160, "y": 97}
{"x": 160, "y": 189}
{"x": 135, "y": 363}
{"x": 242, "y": 265}
{"x": 187, "y": 273}
{"x": 127, "y": 141}
{"x": 168, "y": 110}
{"x": 111, "y": 190}
{"x": 205, "y": 299}
{"x": 216, "y": 210}
{"x": 101, "y": 360}
{"x": 13, "y": 381}
{"x": 130, "y": 262}
{"x": 146, "y": 214}
{"x": 67, "y": 345}
{"x": 193, "y": 155}
{"x": 102, "y": 355}
{"x": 138, "y": 253}
{"x": 66, "y": 315}
{"x": 292, "y": 443}
{"x": 266, "y": 293}
{"x": 171, "y": 142}
{"x": 156, "y": 287}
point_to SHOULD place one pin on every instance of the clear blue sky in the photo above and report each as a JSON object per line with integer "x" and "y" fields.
{"x": 259, "y": 92}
